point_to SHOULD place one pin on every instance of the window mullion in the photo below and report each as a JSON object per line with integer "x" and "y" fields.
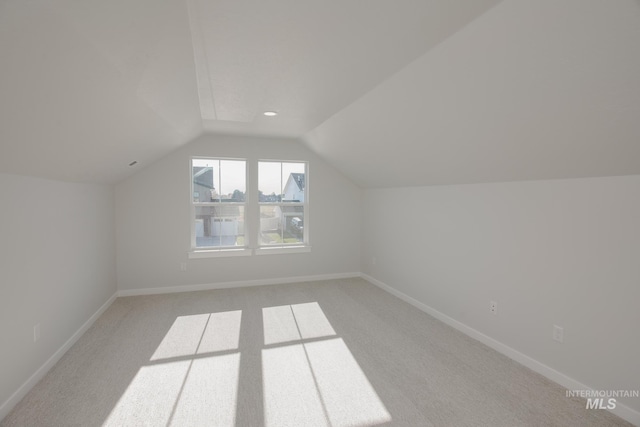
{"x": 252, "y": 223}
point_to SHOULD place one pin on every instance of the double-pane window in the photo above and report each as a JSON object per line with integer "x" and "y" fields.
{"x": 219, "y": 189}
{"x": 282, "y": 194}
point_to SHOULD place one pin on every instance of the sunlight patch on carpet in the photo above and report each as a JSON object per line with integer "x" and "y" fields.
{"x": 288, "y": 323}
{"x": 200, "y": 333}
{"x": 316, "y": 382}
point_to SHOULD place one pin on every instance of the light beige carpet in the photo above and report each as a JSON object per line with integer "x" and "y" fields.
{"x": 333, "y": 353}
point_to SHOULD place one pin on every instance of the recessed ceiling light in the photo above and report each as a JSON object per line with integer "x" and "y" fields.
{"x": 270, "y": 113}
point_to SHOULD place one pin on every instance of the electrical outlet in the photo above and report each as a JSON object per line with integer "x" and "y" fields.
{"x": 183, "y": 266}
{"x": 493, "y": 307}
{"x": 36, "y": 332}
{"x": 558, "y": 333}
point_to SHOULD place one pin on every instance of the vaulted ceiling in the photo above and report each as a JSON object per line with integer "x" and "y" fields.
{"x": 86, "y": 87}
{"x": 405, "y": 92}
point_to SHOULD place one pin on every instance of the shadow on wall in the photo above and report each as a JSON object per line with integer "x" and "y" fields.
{"x": 204, "y": 373}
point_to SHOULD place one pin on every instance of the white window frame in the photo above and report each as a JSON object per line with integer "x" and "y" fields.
{"x": 252, "y": 215}
{"x": 215, "y": 251}
{"x": 284, "y": 248}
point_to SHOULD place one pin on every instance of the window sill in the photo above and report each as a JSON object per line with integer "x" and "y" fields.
{"x": 276, "y": 250}
{"x": 216, "y": 253}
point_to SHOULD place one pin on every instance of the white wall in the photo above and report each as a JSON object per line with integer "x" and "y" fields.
{"x": 57, "y": 268}
{"x": 563, "y": 252}
{"x": 153, "y": 221}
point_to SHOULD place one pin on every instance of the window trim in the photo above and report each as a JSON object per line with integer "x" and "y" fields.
{"x": 279, "y": 250}
{"x": 222, "y": 252}
{"x": 214, "y": 251}
{"x": 251, "y": 205}
{"x": 286, "y": 247}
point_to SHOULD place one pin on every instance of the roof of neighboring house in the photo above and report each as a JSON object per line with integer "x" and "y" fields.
{"x": 223, "y": 211}
{"x": 227, "y": 211}
{"x": 203, "y": 175}
{"x": 288, "y": 210}
{"x": 298, "y": 178}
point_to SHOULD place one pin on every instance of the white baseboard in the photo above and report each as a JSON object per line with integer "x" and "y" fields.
{"x": 16, "y": 397}
{"x": 235, "y": 284}
{"x": 620, "y": 410}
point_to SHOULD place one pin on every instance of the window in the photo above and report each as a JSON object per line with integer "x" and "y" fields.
{"x": 241, "y": 207}
{"x": 218, "y": 207}
{"x": 282, "y": 191}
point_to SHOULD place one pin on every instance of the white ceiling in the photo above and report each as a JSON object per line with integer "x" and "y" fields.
{"x": 532, "y": 89}
{"x": 87, "y": 86}
{"x": 409, "y": 92}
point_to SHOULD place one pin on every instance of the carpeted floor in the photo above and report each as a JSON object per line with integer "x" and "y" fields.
{"x": 332, "y": 353}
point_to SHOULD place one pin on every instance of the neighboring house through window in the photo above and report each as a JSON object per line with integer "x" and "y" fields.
{"x": 294, "y": 188}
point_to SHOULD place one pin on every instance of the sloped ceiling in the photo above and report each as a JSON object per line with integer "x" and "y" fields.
{"x": 86, "y": 87}
{"x": 532, "y": 89}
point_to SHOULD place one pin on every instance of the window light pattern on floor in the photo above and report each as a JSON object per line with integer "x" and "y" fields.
{"x": 309, "y": 375}
{"x": 316, "y": 381}
{"x": 191, "y": 379}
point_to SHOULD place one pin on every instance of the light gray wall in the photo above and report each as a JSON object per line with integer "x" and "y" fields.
{"x": 563, "y": 252}
{"x": 57, "y": 268}
{"x": 153, "y": 220}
